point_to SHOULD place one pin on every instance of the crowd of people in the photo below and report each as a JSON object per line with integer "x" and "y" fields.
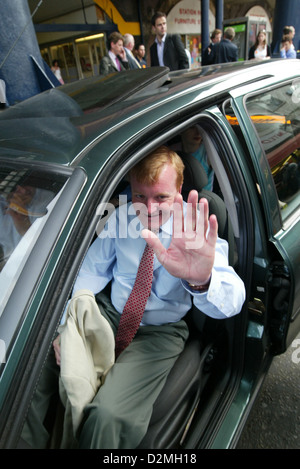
{"x": 168, "y": 49}
{"x": 261, "y": 50}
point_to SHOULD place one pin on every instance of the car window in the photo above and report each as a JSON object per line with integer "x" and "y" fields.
{"x": 276, "y": 117}
{"x": 26, "y": 198}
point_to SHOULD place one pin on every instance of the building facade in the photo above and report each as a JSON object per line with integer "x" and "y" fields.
{"x": 79, "y": 50}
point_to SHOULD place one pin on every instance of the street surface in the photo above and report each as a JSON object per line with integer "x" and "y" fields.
{"x": 274, "y": 421}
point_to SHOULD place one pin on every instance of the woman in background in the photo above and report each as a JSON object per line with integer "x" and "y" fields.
{"x": 260, "y": 50}
{"x": 57, "y": 72}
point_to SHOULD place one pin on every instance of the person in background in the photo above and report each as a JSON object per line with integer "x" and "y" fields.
{"x": 140, "y": 55}
{"x": 129, "y": 47}
{"x": 208, "y": 54}
{"x": 18, "y": 211}
{"x": 167, "y": 49}
{"x": 287, "y": 50}
{"x": 57, "y": 72}
{"x": 226, "y": 50}
{"x": 260, "y": 50}
{"x": 115, "y": 60}
{"x": 289, "y": 31}
{"x": 193, "y": 146}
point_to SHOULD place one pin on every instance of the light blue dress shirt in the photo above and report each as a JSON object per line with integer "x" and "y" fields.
{"x": 160, "y": 50}
{"x": 289, "y": 54}
{"x": 115, "y": 256}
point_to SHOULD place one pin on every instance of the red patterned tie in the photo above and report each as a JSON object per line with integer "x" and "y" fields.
{"x": 135, "y": 305}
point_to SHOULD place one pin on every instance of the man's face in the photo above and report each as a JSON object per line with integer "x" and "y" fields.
{"x": 156, "y": 199}
{"x": 217, "y": 38}
{"x": 117, "y": 48}
{"x": 160, "y": 27}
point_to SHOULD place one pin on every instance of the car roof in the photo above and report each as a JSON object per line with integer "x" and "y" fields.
{"x": 59, "y": 124}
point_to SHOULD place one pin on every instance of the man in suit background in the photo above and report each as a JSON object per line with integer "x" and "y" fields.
{"x": 208, "y": 55}
{"x": 129, "y": 46}
{"x": 167, "y": 49}
{"x": 115, "y": 60}
{"x": 226, "y": 50}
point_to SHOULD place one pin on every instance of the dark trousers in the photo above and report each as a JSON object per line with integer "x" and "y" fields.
{"x": 120, "y": 413}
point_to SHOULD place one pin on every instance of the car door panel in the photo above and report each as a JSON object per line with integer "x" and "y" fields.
{"x": 284, "y": 277}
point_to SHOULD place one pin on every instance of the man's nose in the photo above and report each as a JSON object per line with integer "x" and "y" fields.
{"x": 151, "y": 206}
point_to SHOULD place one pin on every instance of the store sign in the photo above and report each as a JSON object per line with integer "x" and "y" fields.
{"x": 185, "y": 18}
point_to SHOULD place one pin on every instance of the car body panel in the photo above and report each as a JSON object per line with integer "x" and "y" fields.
{"x": 284, "y": 237}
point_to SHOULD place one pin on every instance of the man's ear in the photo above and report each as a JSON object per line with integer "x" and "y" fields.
{"x": 180, "y": 189}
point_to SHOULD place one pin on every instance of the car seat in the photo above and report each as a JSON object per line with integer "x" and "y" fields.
{"x": 178, "y": 399}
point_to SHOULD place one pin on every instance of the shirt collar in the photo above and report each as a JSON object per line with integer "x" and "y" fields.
{"x": 163, "y": 39}
{"x": 112, "y": 55}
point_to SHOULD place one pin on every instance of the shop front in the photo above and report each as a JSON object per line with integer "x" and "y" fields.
{"x": 78, "y": 58}
{"x": 77, "y": 47}
{"x": 185, "y": 19}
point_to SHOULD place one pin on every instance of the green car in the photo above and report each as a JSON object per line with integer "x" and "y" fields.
{"x": 64, "y": 157}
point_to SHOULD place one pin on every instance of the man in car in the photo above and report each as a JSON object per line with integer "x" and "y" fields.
{"x": 189, "y": 261}
{"x": 140, "y": 55}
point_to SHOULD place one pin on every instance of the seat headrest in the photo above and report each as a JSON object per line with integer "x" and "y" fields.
{"x": 195, "y": 176}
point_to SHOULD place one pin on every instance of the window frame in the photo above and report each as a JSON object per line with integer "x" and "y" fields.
{"x": 286, "y": 217}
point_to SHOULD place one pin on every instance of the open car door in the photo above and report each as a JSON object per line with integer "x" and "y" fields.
{"x": 269, "y": 122}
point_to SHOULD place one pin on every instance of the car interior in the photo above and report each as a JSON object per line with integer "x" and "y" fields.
{"x": 202, "y": 370}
